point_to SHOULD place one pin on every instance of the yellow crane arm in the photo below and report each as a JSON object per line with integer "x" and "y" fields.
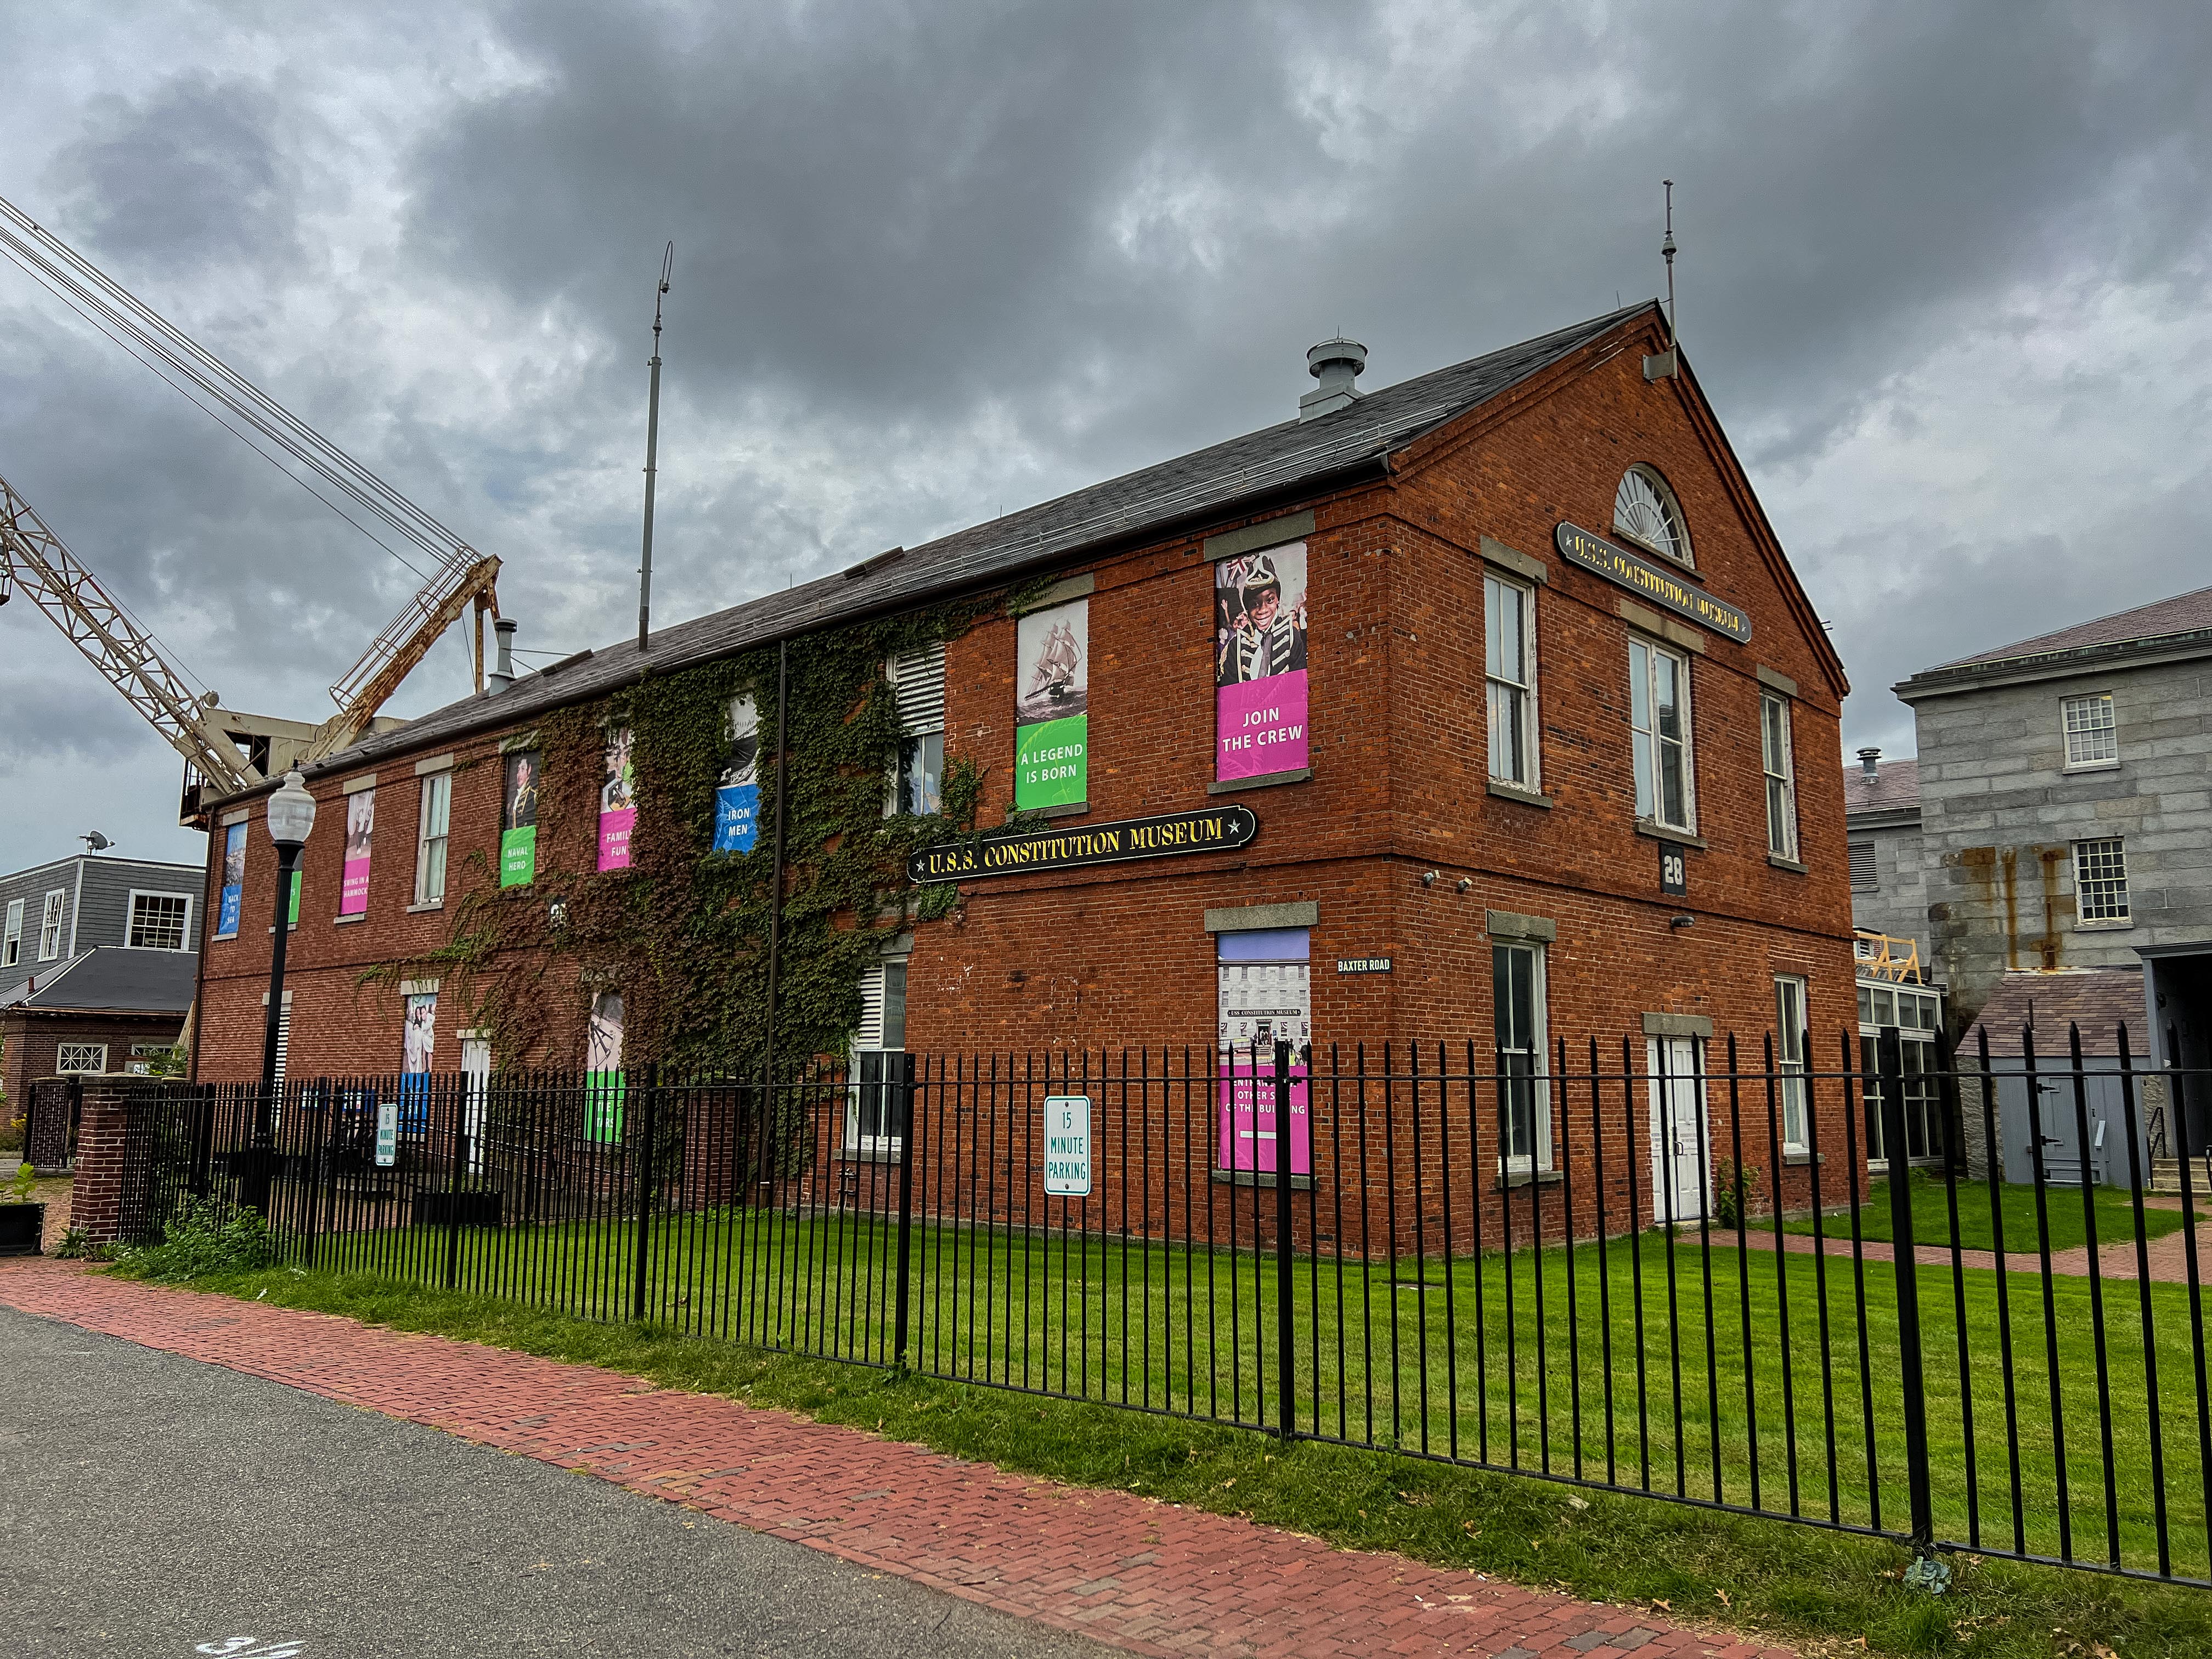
{"x": 405, "y": 641}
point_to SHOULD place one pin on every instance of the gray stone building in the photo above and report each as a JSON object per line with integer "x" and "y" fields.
{"x": 2064, "y": 819}
{"x": 1881, "y": 812}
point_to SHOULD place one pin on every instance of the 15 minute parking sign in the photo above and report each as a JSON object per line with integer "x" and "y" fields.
{"x": 387, "y": 1135}
{"x": 1067, "y": 1145}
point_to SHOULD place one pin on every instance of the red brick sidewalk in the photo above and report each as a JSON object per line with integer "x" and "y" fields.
{"x": 1147, "y": 1577}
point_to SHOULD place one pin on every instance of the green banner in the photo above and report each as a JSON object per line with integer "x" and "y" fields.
{"x": 1051, "y": 762}
{"x": 603, "y": 1107}
{"x": 518, "y": 856}
{"x": 293, "y": 919}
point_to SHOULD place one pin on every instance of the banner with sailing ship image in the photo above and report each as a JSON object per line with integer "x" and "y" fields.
{"x": 1052, "y": 694}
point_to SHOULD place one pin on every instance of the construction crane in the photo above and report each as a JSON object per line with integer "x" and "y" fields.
{"x": 229, "y": 751}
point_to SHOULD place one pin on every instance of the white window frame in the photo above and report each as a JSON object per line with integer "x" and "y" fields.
{"x": 434, "y": 818}
{"x": 1539, "y": 1071}
{"x": 2094, "y": 734}
{"x": 917, "y": 678}
{"x": 880, "y": 1033}
{"x": 2116, "y": 849}
{"x": 11, "y": 944}
{"x": 130, "y": 920}
{"x": 1774, "y": 725}
{"x": 1644, "y": 740}
{"x": 1524, "y": 727}
{"x": 1918, "y": 1037}
{"x": 1790, "y": 1023}
{"x": 62, "y": 1055}
{"x": 50, "y": 924}
{"x": 1670, "y": 505}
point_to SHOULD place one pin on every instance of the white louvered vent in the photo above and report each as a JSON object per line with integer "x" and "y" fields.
{"x": 1865, "y": 877}
{"x": 869, "y": 1032}
{"x": 917, "y": 680}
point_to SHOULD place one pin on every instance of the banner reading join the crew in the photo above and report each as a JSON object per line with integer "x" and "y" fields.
{"x": 233, "y": 879}
{"x": 1263, "y": 1002}
{"x": 1052, "y": 696}
{"x": 1260, "y": 663}
{"x": 518, "y": 820}
{"x": 360, "y": 830}
{"x": 737, "y": 798}
{"x": 603, "y": 1073}
{"x": 617, "y": 802}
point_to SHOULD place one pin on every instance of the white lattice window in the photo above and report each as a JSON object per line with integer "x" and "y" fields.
{"x": 1645, "y": 511}
{"x": 2100, "y": 881}
{"x": 1659, "y": 719}
{"x": 160, "y": 921}
{"x": 2093, "y": 737}
{"x": 90, "y": 1058}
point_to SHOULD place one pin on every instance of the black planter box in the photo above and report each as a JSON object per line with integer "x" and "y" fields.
{"x": 22, "y": 1226}
{"x": 434, "y": 1209}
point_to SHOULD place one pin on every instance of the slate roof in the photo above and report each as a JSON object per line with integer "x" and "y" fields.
{"x": 109, "y": 979}
{"x": 2098, "y": 1000}
{"x": 1207, "y": 484}
{"x": 2185, "y": 613}
{"x": 1892, "y": 788}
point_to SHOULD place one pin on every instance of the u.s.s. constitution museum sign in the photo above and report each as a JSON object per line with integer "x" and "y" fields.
{"x": 1018, "y": 852}
{"x": 1640, "y": 576}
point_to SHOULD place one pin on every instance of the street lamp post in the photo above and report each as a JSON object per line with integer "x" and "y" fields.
{"x": 291, "y": 816}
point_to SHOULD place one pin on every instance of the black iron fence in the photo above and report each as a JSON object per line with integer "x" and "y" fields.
{"x": 54, "y": 1107}
{"x": 1676, "y": 1269}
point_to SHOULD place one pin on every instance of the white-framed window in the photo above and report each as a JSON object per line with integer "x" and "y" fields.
{"x": 1644, "y": 510}
{"x": 1918, "y": 1015}
{"x": 1524, "y": 1104}
{"x": 1781, "y": 775}
{"x": 1509, "y": 667}
{"x": 2093, "y": 739}
{"x": 145, "y": 1057}
{"x": 1659, "y": 717}
{"x": 436, "y": 812}
{"x": 160, "y": 921}
{"x": 50, "y": 924}
{"x": 1866, "y": 872}
{"x": 917, "y": 777}
{"x": 2100, "y": 882}
{"x": 1789, "y": 1060}
{"x": 11, "y": 942}
{"x": 88, "y": 1059}
{"x": 875, "y": 1107}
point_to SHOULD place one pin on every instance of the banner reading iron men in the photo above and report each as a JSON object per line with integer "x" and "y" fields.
{"x": 1260, "y": 663}
{"x": 1052, "y": 700}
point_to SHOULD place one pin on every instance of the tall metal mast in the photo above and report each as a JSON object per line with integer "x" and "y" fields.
{"x": 652, "y": 450}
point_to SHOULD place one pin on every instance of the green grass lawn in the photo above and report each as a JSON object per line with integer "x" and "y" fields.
{"x": 2065, "y": 1225}
{"x": 1761, "y": 1380}
{"x": 1822, "y": 1591}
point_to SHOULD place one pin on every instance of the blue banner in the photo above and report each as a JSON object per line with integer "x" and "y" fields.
{"x": 737, "y": 816}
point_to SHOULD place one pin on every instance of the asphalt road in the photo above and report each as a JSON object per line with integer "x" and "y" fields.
{"x": 151, "y": 1506}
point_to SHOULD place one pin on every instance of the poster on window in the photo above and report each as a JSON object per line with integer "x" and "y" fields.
{"x": 233, "y": 879}
{"x": 517, "y": 819}
{"x": 1260, "y": 663}
{"x": 617, "y": 802}
{"x": 417, "y": 1030}
{"x": 1052, "y": 697}
{"x": 603, "y": 1074}
{"x": 360, "y": 831}
{"x": 736, "y": 797}
{"x": 1262, "y": 1003}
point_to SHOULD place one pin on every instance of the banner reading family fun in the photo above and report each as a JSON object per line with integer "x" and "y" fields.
{"x": 518, "y": 820}
{"x": 1052, "y": 723}
{"x": 617, "y": 802}
{"x": 1260, "y": 663}
{"x": 361, "y": 830}
{"x": 737, "y": 797}
{"x": 233, "y": 879}
{"x": 1262, "y": 1003}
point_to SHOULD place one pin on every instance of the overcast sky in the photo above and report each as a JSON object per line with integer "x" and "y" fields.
{"x": 1942, "y": 274}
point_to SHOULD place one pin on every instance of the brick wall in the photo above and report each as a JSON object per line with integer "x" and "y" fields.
{"x": 33, "y": 1041}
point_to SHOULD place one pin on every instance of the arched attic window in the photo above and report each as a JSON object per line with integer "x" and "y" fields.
{"x": 1644, "y": 510}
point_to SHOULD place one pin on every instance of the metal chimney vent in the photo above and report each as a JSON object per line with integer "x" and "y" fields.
{"x": 503, "y": 673}
{"x": 1870, "y": 761}
{"x": 1336, "y": 364}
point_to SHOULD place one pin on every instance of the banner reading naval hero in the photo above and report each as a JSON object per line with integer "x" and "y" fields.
{"x": 1260, "y": 663}
{"x": 1052, "y": 696}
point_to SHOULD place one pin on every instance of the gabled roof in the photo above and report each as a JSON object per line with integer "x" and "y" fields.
{"x": 109, "y": 979}
{"x": 1893, "y": 788}
{"x": 2147, "y": 625}
{"x": 1294, "y": 457}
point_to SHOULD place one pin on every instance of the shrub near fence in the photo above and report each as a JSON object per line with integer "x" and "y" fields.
{"x": 1525, "y": 1270}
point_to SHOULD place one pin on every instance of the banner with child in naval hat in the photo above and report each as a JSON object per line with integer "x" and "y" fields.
{"x": 1260, "y": 663}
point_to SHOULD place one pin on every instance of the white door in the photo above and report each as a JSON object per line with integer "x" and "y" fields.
{"x": 1679, "y": 1160}
{"x": 476, "y": 1067}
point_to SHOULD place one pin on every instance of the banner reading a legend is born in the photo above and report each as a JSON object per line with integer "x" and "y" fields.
{"x": 1052, "y": 698}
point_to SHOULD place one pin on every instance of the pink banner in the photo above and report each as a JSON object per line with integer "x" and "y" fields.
{"x": 360, "y": 832}
{"x": 614, "y": 837}
{"x": 353, "y": 889}
{"x": 1248, "y": 1136}
{"x": 1260, "y": 725}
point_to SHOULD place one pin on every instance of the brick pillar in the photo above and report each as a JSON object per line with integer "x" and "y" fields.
{"x": 96, "y": 1201}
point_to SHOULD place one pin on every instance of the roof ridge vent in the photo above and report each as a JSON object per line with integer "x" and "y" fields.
{"x": 1336, "y": 363}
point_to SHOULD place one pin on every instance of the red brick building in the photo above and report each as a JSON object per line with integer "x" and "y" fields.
{"x": 1533, "y": 726}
